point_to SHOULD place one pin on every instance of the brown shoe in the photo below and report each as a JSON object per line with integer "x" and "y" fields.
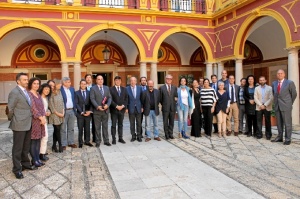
{"x": 179, "y": 135}
{"x": 228, "y": 133}
{"x": 147, "y": 139}
{"x": 157, "y": 138}
{"x": 236, "y": 133}
{"x": 72, "y": 145}
{"x": 220, "y": 134}
{"x": 64, "y": 147}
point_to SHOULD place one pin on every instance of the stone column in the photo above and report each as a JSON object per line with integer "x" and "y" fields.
{"x": 238, "y": 70}
{"x": 220, "y": 69}
{"x": 77, "y": 75}
{"x": 293, "y": 74}
{"x": 209, "y": 70}
{"x": 153, "y": 73}
{"x": 64, "y": 69}
{"x": 143, "y": 69}
{"x": 215, "y": 69}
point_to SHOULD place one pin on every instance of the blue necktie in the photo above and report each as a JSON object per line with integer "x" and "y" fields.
{"x": 119, "y": 91}
{"x": 27, "y": 96}
{"x": 101, "y": 90}
{"x": 83, "y": 94}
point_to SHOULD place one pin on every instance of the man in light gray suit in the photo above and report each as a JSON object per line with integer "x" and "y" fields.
{"x": 101, "y": 99}
{"x": 284, "y": 92}
{"x": 19, "y": 114}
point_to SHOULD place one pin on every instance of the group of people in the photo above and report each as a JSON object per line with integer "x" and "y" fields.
{"x": 32, "y": 105}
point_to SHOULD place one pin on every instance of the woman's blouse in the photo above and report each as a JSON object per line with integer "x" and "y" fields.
{"x": 208, "y": 96}
{"x": 249, "y": 95}
{"x": 184, "y": 97}
{"x": 223, "y": 102}
{"x": 45, "y": 102}
{"x": 56, "y": 103}
{"x": 37, "y": 108}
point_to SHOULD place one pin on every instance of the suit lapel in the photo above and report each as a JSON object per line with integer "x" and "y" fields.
{"x": 23, "y": 94}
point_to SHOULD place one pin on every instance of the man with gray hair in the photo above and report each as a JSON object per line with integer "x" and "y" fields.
{"x": 67, "y": 130}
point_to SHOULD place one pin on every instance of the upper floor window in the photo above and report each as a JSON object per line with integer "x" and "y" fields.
{"x": 111, "y": 3}
{"x": 181, "y": 5}
{"x": 28, "y": 1}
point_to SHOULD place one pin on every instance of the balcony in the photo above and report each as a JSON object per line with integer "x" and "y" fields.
{"x": 187, "y": 6}
{"x": 132, "y": 4}
{"x": 47, "y": 2}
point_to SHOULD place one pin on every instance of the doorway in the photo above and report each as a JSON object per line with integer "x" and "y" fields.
{"x": 107, "y": 77}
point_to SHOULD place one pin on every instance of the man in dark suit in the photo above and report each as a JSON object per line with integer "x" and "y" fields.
{"x": 119, "y": 101}
{"x": 143, "y": 82}
{"x": 233, "y": 90}
{"x": 67, "y": 130}
{"x": 214, "y": 85}
{"x": 135, "y": 109}
{"x": 89, "y": 85}
{"x": 84, "y": 110}
{"x": 19, "y": 114}
{"x": 150, "y": 101}
{"x": 168, "y": 99}
{"x": 284, "y": 92}
{"x": 101, "y": 100}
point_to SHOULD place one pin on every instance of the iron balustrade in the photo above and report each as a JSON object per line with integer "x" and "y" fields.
{"x": 197, "y": 6}
{"x": 48, "y": 2}
{"x": 112, "y": 3}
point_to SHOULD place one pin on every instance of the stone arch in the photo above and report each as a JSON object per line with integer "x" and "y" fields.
{"x": 242, "y": 32}
{"x": 193, "y": 32}
{"x": 118, "y": 27}
{"x": 33, "y": 24}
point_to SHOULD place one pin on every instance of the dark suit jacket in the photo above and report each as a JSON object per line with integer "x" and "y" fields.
{"x": 216, "y": 89}
{"x": 134, "y": 102}
{"x": 236, "y": 90}
{"x": 117, "y": 100}
{"x": 63, "y": 93}
{"x": 146, "y": 102}
{"x": 97, "y": 98}
{"x": 81, "y": 104}
{"x": 19, "y": 109}
{"x": 286, "y": 97}
{"x": 168, "y": 101}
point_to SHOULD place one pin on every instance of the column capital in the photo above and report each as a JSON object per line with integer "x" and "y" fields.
{"x": 77, "y": 62}
{"x": 292, "y": 49}
{"x": 239, "y": 60}
{"x": 154, "y": 62}
{"x": 209, "y": 63}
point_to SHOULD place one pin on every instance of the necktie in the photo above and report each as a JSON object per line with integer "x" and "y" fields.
{"x": 27, "y": 96}
{"x": 83, "y": 94}
{"x": 278, "y": 87}
{"x": 101, "y": 90}
{"x": 232, "y": 95}
{"x": 169, "y": 89}
{"x": 214, "y": 87}
{"x": 133, "y": 92}
{"x": 119, "y": 91}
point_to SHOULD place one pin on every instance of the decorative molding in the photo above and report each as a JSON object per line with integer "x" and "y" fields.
{"x": 148, "y": 19}
{"x": 288, "y": 7}
{"x": 70, "y": 33}
{"x": 26, "y": 22}
{"x": 148, "y": 35}
{"x": 70, "y": 16}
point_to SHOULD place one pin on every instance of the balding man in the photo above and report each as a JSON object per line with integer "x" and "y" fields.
{"x": 284, "y": 92}
{"x": 135, "y": 109}
{"x": 224, "y": 78}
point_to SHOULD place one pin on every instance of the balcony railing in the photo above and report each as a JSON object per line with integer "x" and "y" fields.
{"x": 187, "y": 6}
{"x": 48, "y": 2}
{"x": 112, "y": 3}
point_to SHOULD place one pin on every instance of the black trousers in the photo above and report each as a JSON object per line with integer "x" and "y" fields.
{"x": 20, "y": 150}
{"x": 252, "y": 124}
{"x": 135, "y": 124}
{"x": 84, "y": 125}
{"x": 168, "y": 120}
{"x": 93, "y": 128}
{"x": 101, "y": 122}
{"x": 117, "y": 117}
{"x": 56, "y": 135}
{"x": 259, "y": 117}
{"x": 35, "y": 146}
{"x": 208, "y": 117}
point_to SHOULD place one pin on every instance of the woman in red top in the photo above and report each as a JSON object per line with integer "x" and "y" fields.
{"x": 38, "y": 120}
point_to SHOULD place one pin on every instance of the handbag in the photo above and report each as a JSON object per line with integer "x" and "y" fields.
{"x": 189, "y": 121}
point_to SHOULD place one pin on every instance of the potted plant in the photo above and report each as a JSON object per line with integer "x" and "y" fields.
{"x": 273, "y": 116}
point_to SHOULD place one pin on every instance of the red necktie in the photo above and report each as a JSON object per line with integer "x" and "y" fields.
{"x": 278, "y": 87}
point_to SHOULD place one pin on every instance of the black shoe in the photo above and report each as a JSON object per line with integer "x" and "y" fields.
{"x": 114, "y": 141}
{"x": 80, "y": 146}
{"x": 97, "y": 145}
{"x": 88, "y": 144}
{"x": 240, "y": 132}
{"x": 61, "y": 149}
{"x": 122, "y": 141}
{"x": 287, "y": 143}
{"x": 54, "y": 149}
{"x": 258, "y": 138}
{"x": 246, "y": 133}
{"x": 277, "y": 140}
{"x": 107, "y": 144}
{"x": 43, "y": 157}
{"x": 139, "y": 139}
{"x": 19, "y": 175}
{"x": 171, "y": 136}
{"x": 268, "y": 138}
{"x": 132, "y": 139}
{"x": 42, "y": 163}
{"x": 32, "y": 167}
